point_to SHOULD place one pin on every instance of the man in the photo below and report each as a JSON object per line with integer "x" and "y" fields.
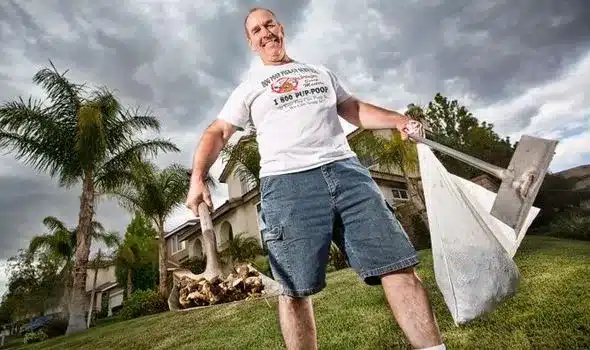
{"x": 312, "y": 185}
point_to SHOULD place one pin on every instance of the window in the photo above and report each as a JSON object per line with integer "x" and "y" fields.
{"x": 400, "y": 194}
{"x": 176, "y": 245}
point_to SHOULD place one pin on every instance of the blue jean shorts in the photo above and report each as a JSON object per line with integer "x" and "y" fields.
{"x": 304, "y": 212}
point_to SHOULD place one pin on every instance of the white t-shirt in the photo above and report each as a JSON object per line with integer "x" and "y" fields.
{"x": 293, "y": 108}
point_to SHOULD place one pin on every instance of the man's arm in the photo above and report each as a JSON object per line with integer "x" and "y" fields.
{"x": 213, "y": 140}
{"x": 367, "y": 116}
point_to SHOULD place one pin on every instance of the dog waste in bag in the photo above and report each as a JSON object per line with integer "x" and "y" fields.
{"x": 472, "y": 250}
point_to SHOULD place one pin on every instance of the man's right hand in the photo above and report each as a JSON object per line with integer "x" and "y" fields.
{"x": 198, "y": 192}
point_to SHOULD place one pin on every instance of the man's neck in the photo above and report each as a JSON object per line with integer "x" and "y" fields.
{"x": 286, "y": 59}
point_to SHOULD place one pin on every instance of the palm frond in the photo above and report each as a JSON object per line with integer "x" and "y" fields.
{"x": 37, "y": 243}
{"x": 54, "y": 224}
{"x": 97, "y": 227}
{"x": 243, "y": 158}
{"x": 32, "y": 151}
{"x": 127, "y": 199}
{"x": 64, "y": 94}
{"x": 110, "y": 239}
{"x": 127, "y": 124}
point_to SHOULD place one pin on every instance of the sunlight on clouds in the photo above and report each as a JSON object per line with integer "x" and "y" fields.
{"x": 562, "y": 112}
{"x": 3, "y": 277}
{"x": 572, "y": 151}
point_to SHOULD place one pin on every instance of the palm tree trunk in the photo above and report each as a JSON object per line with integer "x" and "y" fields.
{"x": 77, "y": 321}
{"x": 129, "y": 282}
{"x": 163, "y": 257}
{"x": 92, "y": 296}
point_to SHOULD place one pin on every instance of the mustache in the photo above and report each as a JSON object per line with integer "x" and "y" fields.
{"x": 269, "y": 39}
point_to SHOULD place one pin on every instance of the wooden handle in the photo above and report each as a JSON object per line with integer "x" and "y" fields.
{"x": 205, "y": 217}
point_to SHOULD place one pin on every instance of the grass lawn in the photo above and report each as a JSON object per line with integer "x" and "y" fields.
{"x": 550, "y": 311}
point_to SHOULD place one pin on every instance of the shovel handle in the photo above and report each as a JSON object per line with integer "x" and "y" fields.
{"x": 496, "y": 171}
{"x": 205, "y": 217}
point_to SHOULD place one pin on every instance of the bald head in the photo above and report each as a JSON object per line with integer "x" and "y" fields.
{"x": 255, "y": 9}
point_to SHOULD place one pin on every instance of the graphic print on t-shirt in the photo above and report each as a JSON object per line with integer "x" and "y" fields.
{"x": 296, "y": 87}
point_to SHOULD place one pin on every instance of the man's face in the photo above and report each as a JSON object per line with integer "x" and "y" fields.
{"x": 266, "y": 36}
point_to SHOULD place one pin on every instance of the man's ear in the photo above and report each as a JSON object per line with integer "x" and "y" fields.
{"x": 250, "y": 43}
{"x": 282, "y": 29}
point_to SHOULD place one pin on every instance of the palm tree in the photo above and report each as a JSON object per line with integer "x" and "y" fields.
{"x": 155, "y": 194}
{"x": 77, "y": 138}
{"x": 59, "y": 246}
{"x": 244, "y": 157}
{"x": 393, "y": 155}
{"x": 240, "y": 249}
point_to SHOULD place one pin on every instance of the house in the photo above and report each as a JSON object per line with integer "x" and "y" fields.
{"x": 107, "y": 289}
{"x": 240, "y": 214}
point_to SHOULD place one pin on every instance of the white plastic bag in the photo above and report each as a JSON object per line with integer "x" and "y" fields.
{"x": 472, "y": 250}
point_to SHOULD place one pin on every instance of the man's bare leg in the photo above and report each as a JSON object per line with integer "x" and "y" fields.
{"x": 297, "y": 323}
{"x": 411, "y": 307}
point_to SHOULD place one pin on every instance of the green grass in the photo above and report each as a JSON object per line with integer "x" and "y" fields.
{"x": 550, "y": 311}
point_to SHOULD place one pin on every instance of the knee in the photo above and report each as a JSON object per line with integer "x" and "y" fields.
{"x": 294, "y": 301}
{"x": 401, "y": 278}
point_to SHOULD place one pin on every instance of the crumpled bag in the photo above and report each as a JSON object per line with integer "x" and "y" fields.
{"x": 472, "y": 250}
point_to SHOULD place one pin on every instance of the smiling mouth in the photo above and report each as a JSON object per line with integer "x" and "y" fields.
{"x": 274, "y": 40}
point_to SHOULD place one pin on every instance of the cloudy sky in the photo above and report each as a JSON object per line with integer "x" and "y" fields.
{"x": 523, "y": 65}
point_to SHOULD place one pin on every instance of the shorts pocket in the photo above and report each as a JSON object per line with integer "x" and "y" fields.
{"x": 272, "y": 234}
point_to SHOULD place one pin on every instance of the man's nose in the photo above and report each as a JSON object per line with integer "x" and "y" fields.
{"x": 265, "y": 32}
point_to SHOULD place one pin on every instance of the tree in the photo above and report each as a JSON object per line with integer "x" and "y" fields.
{"x": 395, "y": 156}
{"x": 136, "y": 258}
{"x": 33, "y": 285}
{"x": 59, "y": 246}
{"x": 241, "y": 249}
{"x": 243, "y": 157}
{"x": 454, "y": 126}
{"x": 78, "y": 138}
{"x": 155, "y": 194}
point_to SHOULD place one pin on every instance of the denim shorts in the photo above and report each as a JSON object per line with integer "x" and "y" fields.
{"x": 304, "y": 212}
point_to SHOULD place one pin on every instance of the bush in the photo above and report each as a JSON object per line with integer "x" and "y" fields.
{"x": 337, "y": 260}
{"x": 143, "y": 303}
{"x": 262, "y": 264}
{"x": 195, "y": 265}
{"x": 35, "y": 337}
{"x": 570, "y": 225}
{"x": 55, "y": 327}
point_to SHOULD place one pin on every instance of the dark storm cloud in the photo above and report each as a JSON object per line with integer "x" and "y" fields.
{"x": 494, "y": 49}
{"x": 182, "y": 61}
{"x": 178, "y": 68}
{"x": 24, "y": 202}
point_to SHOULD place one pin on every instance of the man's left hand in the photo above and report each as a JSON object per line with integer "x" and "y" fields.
{"x": 411, "y": 127}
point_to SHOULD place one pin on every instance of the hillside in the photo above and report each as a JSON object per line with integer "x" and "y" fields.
{"x": 550, "y": 311}
{"x": 580, "y": 173}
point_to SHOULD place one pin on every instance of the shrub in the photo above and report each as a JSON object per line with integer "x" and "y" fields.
{"x": 35, "y": 337}
{"x": 55, "y": 327}
{"x": 337, "y": 259}
{"x": 195, "y": 265}
{"x": 262, "y": 264}
{"x": 571, "y": 225}
{"x": 143, "y": 303}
